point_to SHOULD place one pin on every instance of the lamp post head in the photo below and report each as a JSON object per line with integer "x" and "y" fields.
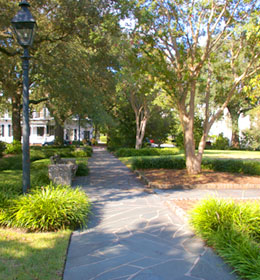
{"x": 24, "y": 25}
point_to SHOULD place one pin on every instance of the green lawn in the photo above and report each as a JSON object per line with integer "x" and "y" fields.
{"x": 30, "y": 256}
{"x": 252, "y": 155}
{"x": 223, "y": 154}
{"x": 26, "y": 256}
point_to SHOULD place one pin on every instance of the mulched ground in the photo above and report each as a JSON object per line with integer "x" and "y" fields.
{"x": 169, "y": 178}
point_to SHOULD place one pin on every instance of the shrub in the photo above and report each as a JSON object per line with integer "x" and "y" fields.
{"x": 85, "y": 152}
{"x": 232, "y": 166}
{"x": 233, "y": 230}
{"x": 11, "y": 163}
{"x": 14, "y": 148}
{"x": 88, "y": 150}
{"x": 79, "y": 153}
{"x": 94, "y": 141}
{"x": 221, "y": 143}
{"x": 222, "y": 165}
{"x": 2, "y": 148}
{"x": 160, "y": 162}
{"x": 131, "y": 152}
{"x": 48, "y": 209}
{"x": 82, "y": 170}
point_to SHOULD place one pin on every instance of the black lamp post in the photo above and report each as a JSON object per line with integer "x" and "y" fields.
{"x": 24, "y": 27}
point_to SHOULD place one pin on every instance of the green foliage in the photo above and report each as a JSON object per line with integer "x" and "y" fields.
{"x": 131, "y": 152}
{"x": 2, "y": 148}
{"x": 39, "y": 173}
{"x": 14, "y": 148}
{"x": 80, "y": 153}
{"x": 82, "y": 170}
{"x": 159, "y": 162}
{"x": 222, "y": 165}
{"x": 160, "y": 123}
{"x": 251, "y": 139}
{"x": 197, "y": 132}
{"x": 221, "y": 143}
{"x": 11, "y": 163}
{"x": 47, "y": 152}
{"x": 48, "y": 209}
{"x": 88, "y": 150}
{"x": 232, "y": 166}
{"x": 233, "y": 230}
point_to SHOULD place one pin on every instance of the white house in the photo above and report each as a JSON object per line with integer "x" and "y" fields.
{"x": 42, "y": 128}
{"x": 224, "y": 125}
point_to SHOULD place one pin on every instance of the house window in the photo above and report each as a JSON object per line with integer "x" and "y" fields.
{"x": 40, "y": 131}
{"x": 50, "y": 129}
{"x": 75, "y": 134}
{"x": 10, "y": 132}
{"x": 2, "y": 132}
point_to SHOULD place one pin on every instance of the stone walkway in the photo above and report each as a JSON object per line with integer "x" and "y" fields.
{"x": 133, "y": 235}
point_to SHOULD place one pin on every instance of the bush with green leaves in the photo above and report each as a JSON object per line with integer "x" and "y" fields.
{"x": 47, "y": 152}
{"x": 159, "y": 162}
{"x": 2, "y": 148}
{"x": 232, "y": 166}
{"x": 222, "y": 165}
{"x": 14, "y": 148}
{"x": 48, "y": 208}
{"x": 221, "y": 143}
{"x": 233, "y": 230}
{"x": 82, "y": 170}
{"x": 88, "y": 150}
{"x": 83, "y": 152}
{"x": 131, "y": 152}
{"x": 11, "y": 163}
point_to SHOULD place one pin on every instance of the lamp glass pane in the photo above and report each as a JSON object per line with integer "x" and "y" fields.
{"x": 24, "y": 32}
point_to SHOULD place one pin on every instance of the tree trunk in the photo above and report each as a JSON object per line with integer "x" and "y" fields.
{"x": 59, "y": 133}
{"x": 140, "y": 130}
{"x": 235, "y": 143}
{"x": 193, "y": 162}
{"x": 16, "y": 117}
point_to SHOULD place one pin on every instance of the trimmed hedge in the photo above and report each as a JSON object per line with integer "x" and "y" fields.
{"x": 157, "y": 163}
{"x": 222, "y": 165}
{"x": 131, "y": 152}
{"x": 15, "y": 162}
{"x": 232, "y": 166}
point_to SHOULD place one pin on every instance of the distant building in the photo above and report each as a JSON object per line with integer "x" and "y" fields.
{"x": 42, "y": 128}
{"x": 224, "y": 125}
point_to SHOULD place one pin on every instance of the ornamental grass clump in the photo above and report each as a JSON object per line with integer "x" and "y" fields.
{"x": 233, "y": 230}
{"x": 48, "y": 208}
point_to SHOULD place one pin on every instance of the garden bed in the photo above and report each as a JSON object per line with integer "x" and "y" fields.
{"x": 171, "y": 179}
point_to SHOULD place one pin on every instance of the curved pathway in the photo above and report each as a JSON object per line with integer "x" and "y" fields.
{"x": 133, "y": 235}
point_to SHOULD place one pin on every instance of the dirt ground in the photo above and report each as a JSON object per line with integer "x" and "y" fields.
{"x": 170, "y": 178}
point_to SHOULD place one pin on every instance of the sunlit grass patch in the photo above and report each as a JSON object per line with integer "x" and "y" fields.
{"x": 26, "y": 256}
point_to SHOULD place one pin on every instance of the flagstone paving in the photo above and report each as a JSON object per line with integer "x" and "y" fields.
{"x": 133, "y": 235}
